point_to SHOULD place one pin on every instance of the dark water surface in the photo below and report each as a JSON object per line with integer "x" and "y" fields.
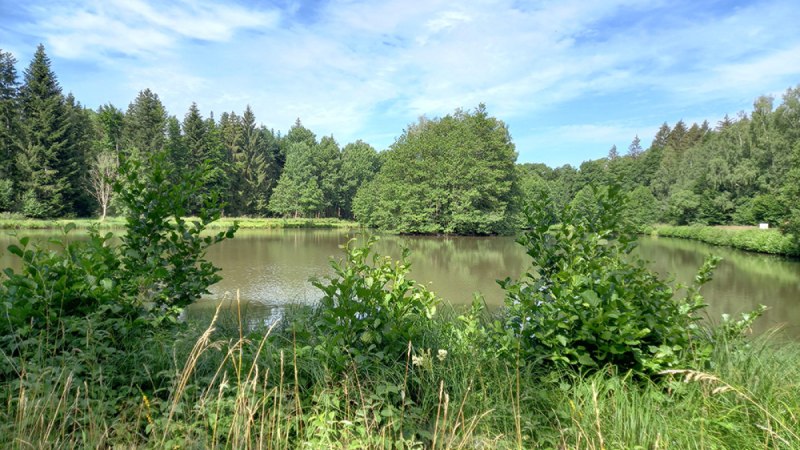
{"x": 271, "y": 268}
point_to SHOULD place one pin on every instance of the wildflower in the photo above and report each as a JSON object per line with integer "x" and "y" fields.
{"x": 417, "y": 360}
{"x": 442, "y": 354}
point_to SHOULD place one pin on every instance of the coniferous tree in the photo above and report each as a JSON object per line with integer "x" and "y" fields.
{"x": 175, "y": 147}
{"x": 613, "y": 153}
{"x": 76, "y": 163}
{"x": 145, "y": 123}
{"x": 230, "y": 131}
{"x": 255, "y": 166}
{"x": 203, "y": 145}
{"x": 635, "y": 149}
{"x": 46, "y": 147}
{"x": 10, "y": 131}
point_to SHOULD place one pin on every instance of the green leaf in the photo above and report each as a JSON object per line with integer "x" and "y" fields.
{"x": 587, "y": 360}
{"x": 591, "y": 297}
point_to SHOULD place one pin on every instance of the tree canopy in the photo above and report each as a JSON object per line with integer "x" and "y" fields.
{"x": 453, "y": 174}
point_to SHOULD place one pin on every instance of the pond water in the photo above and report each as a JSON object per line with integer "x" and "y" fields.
{"x": 272, "y": 268}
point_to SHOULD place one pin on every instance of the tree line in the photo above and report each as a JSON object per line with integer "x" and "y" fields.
{"x": 453, "y": 174}
{"x": 59, "y": 158}
{"x": 744, "y": 170}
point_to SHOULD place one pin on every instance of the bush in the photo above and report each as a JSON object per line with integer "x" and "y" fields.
{"x": 89, "y": 305}
{"x": 587, "y": 302}
{"x": 372, "y": 309}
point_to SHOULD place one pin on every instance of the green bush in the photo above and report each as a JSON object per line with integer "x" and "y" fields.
{"x": 587, "y": 302}
{"x": 89, "y": 305}
{"x": 370, "y": 309}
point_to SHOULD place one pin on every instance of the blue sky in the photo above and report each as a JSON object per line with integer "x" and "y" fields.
{"x": 571, "y": 78}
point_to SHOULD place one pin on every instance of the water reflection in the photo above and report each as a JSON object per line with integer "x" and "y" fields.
{"x": 272, "y": 268}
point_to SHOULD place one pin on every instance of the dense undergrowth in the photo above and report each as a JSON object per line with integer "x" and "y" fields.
{"x": 591, "y": 351}
{"x": 763, "y": 241}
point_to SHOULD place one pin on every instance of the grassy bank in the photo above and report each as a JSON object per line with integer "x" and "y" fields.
{"x": 226, "y": 387}
{"x": 21, "y": 223}
{"x": 763, "y": 241}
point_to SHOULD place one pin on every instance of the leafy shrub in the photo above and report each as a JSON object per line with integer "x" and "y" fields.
{"x": 370, "y": 309}
{"x": 587, "y": 302}
{"x": 162, "y": 254}
{"x": 89, "y": 305}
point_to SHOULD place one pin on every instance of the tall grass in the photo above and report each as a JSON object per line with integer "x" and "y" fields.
{"x": 265, "y": 389}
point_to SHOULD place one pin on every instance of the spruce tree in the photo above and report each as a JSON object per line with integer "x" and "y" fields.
{"x": 635, "y": 149}
{"x": 9, "y": 129}
{"x": 255, "y": 166}
{"x": 74, "y": 167}
{"x": 46, "y": 151}
{"x": 144, "y": 125}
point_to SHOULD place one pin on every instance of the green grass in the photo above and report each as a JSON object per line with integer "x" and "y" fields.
{"x": 763, "y": 241}
{"x": 13, "y": 222}
{"x": 231, "y": 387}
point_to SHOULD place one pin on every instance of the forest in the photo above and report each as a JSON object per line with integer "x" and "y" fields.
{"x": 453, "y": 174}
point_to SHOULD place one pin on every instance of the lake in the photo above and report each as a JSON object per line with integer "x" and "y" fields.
{"x": 272, "y": 268}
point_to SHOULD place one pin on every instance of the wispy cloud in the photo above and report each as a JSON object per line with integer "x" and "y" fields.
{"x": 578, "y": 74}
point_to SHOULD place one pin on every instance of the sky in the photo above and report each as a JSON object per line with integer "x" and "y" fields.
{"x": 570, "y": 78}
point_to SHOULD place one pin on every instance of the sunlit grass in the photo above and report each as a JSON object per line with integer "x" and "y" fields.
{"x": 265, "y": 388}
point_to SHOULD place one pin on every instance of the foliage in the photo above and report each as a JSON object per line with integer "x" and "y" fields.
{"x": 88, "y": 305}
{"x": 6, "y": 194}
{"x": 162, "y": 252}
{"x": 360, "y": 163}
{"x": 587, "y": 302}
{"x": 144, "y": 124}
{"x": 10, "y": 131}
{"x": 370, "y": 309}
{"x": 454, "y": 174}
{"x": 750, "y": 239}
{"x": 44, "y": 163}
{"x": 298, "y": 192}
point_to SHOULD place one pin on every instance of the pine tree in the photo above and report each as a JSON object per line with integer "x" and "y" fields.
{"x": 144, "y": 126}
{"x": 10, "y": 130}
{"x": 255, "y": 166}
{"x": 46, "y": 147}
{"x": 635, "y": 149}
{"x": 177, "y": 154}
{"x": 613, "y": 153}
{"x": 74, "y": 166}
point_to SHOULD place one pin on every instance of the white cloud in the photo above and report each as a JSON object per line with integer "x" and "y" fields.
{"x": 97, "y": 29}
{"x": 359, "y": 68}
